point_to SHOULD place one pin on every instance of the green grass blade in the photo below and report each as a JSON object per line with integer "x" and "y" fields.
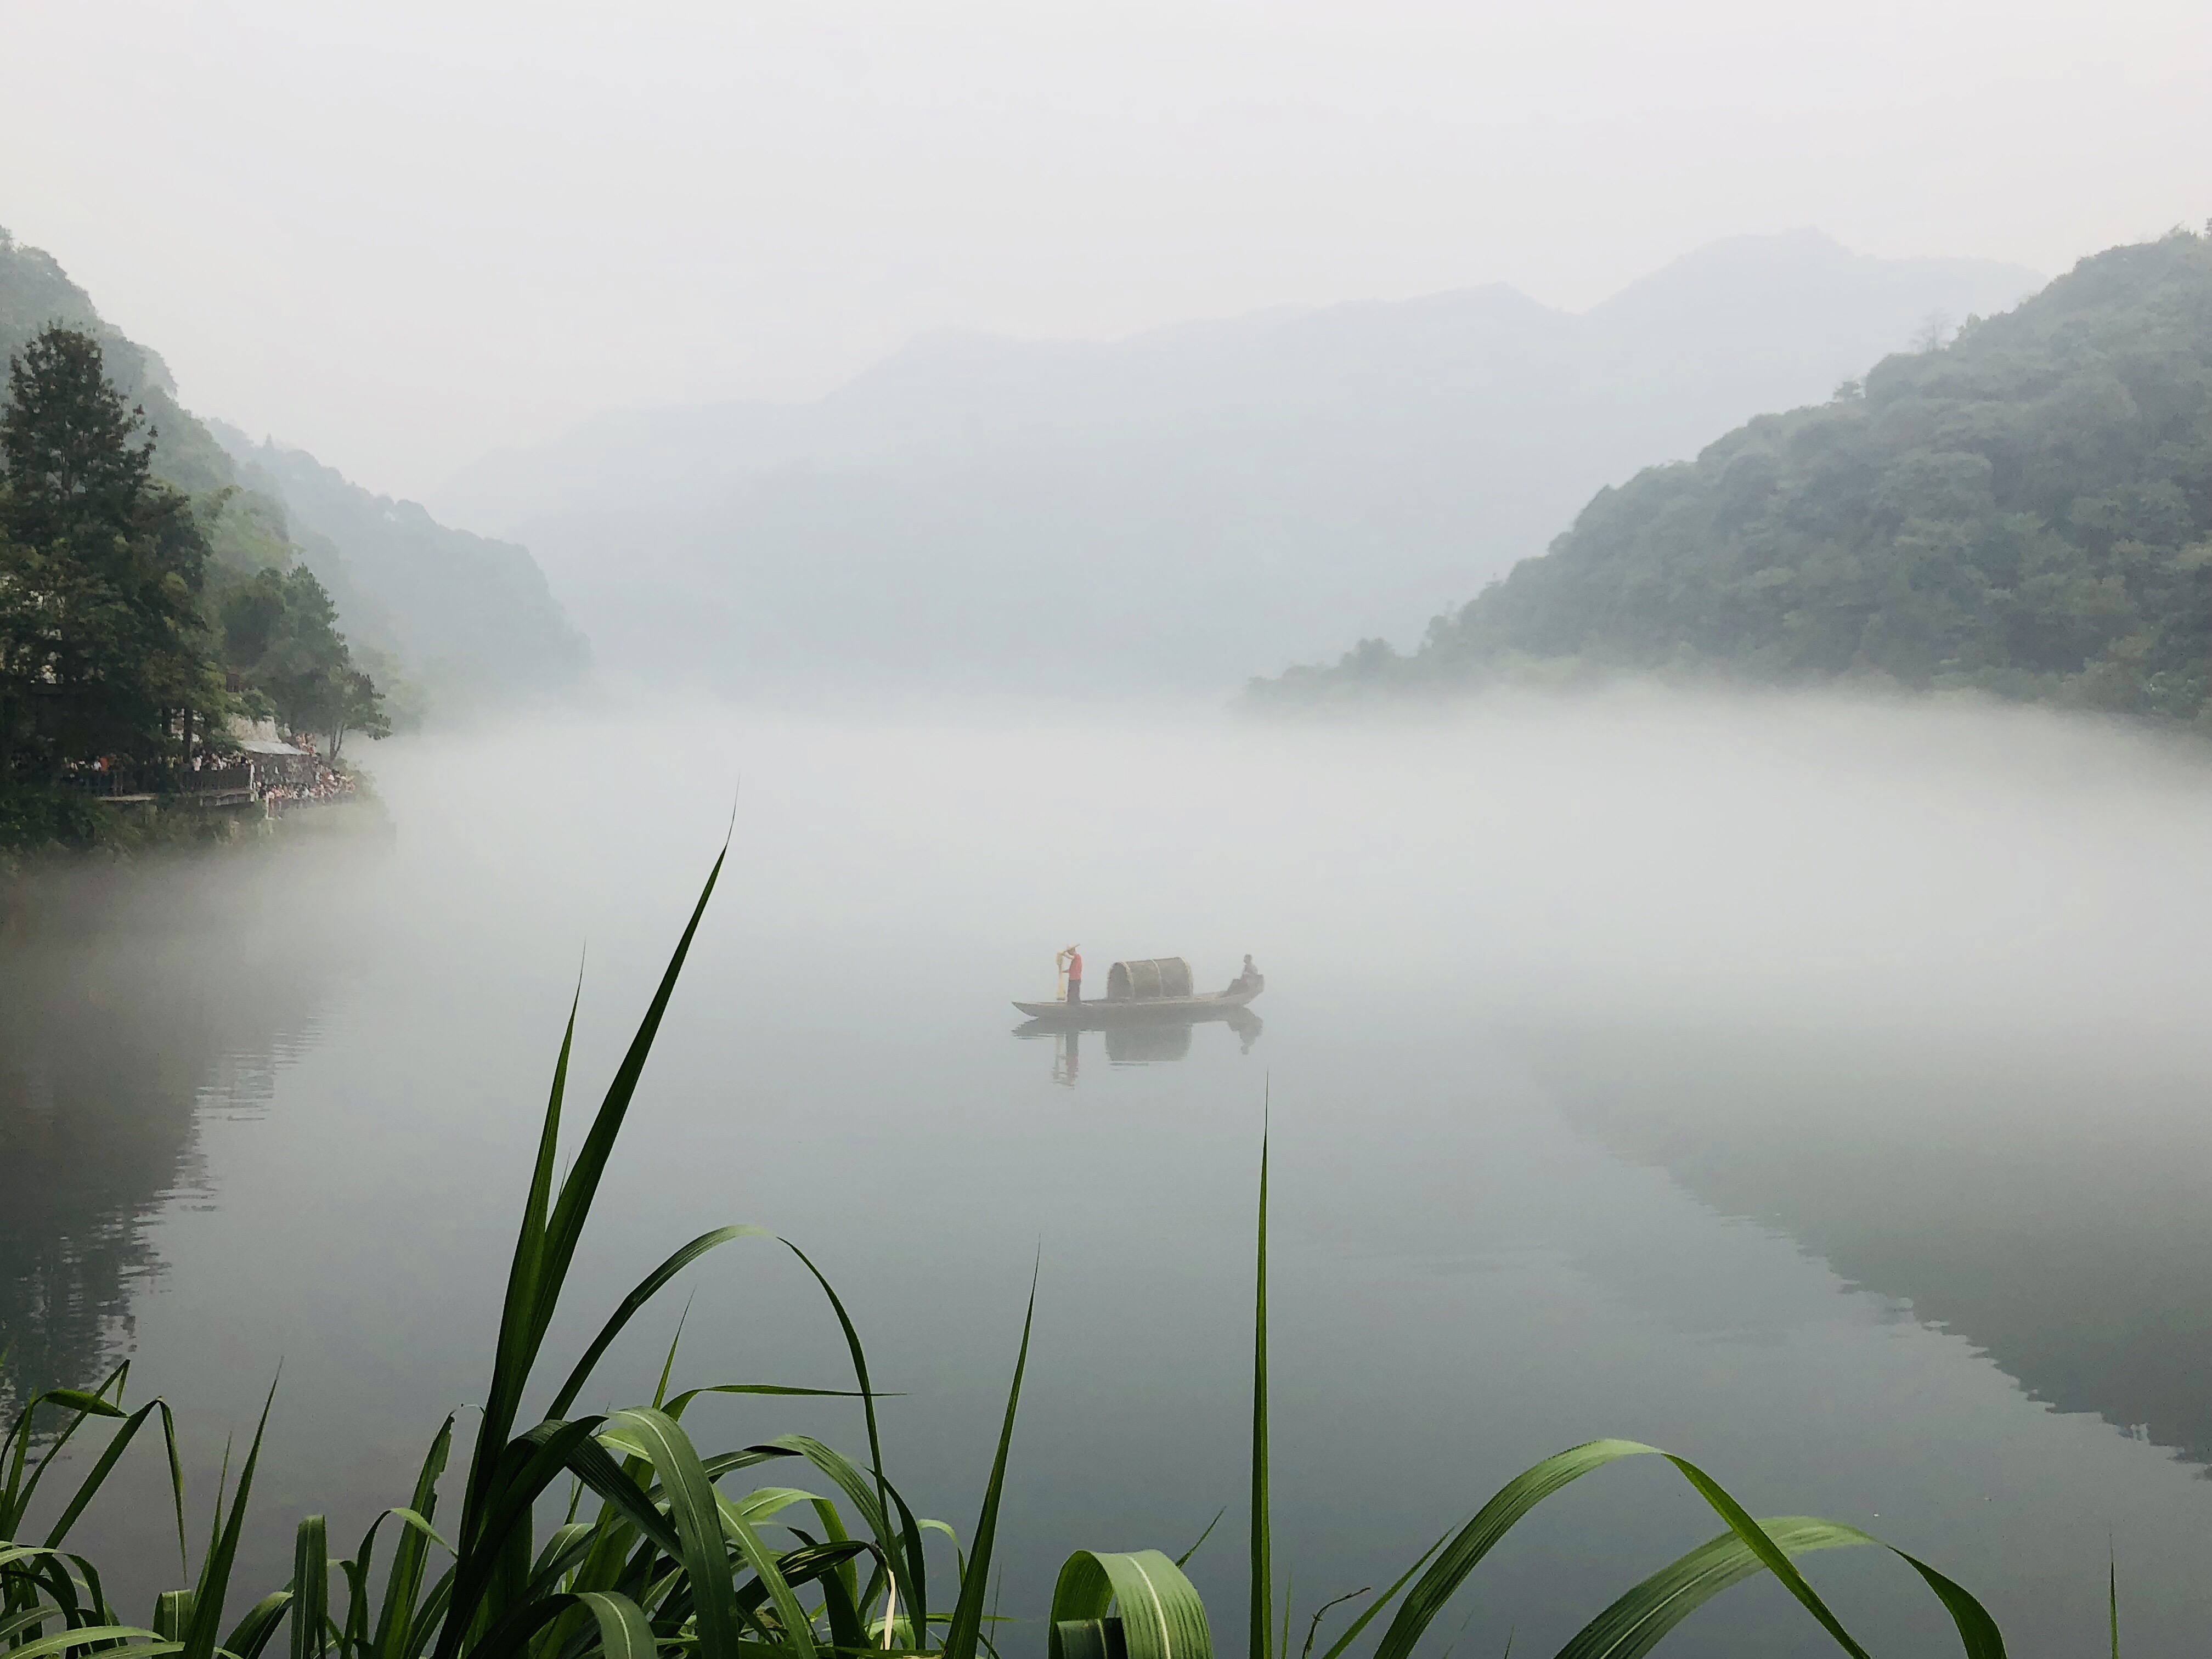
{"x": 608, "y": 1479}
{"x": 517, "y": 1347}
{"x": 699, "y": 1526}
{"x": 78, "y": 1400}
{"x": 760, "y": 1507}
{"x": 1633, "y": 1625}
{"x": 89, "y": 1488}
{"x": 1086, "y": 1638}
{"x": 252, "y": 1632}
{"x": 403, "y": 1584}
{"x": 647, "y": 1289}
{"x": 859, "y": 1358}
{"x": 36, "y": 1567}
{"x": 622, "y": 1628}
{"x": 807, "y": 1564}
{"x": 1481, "y": 1535}
{"x": 176, "y": 1487}
{"x": 310, "y": 1586}
{"x": 563, "y": 1550}
{"x": 570, "y": 1210}
{"x": 544, "y": 1246}
{"x": 494, "y": 1562}
{"x": 429, "y": 1617}
{"x": 91, "y": 1634}
{"x": 172, "y": 1613}
{"x": 676, "y": 1407}
{"x": 1776, "y": 1561}
{"x": 1162, "y": 1616}
{"x": 967, "y": 1627}
{"x": 1636, "y": 1622}
{"x": 1978, "y": 1635}
{"x": 624, "y": 1633}
{"x": 19, "y": 1490}
{"x": 207, "y": 1594}
{"x": 1260, "y": 1638}
{"x": 841, "y": 1605}
{"x": 12, "y": 1624}
{"x": 1183, "y": 1560}
{"x": 853, "y": 1482}
{"x": 1367, "y": 1613}
{"x": 916, "y": 1587}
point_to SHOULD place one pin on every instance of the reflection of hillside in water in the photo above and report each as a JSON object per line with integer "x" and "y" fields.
{"x": 2052, "y": 1208}
{"x": 126, "y": 1000}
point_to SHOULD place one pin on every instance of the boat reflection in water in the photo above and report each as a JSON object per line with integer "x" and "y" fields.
{"x": 1153, "y": 1044}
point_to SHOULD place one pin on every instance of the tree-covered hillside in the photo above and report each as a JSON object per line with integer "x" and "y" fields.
{"x": 35, "y": 291}
{"x": 471, "y": 618}
{"x": 125, "y": 650}
{"x": 2026, "y": 510}
{"x": 427, "y": 609}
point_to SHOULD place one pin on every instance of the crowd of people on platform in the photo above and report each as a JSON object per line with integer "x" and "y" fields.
{"x": 281, "y": 780}
{"x": 321, "y": 783}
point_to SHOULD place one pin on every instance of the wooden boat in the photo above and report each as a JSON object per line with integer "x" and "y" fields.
{"x": 1158, "y": 989}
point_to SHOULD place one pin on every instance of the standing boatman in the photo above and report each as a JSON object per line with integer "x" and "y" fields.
{"x": 1071, "y": 963}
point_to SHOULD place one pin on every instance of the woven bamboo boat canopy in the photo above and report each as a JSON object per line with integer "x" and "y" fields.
{"x": 1148, "y": 981}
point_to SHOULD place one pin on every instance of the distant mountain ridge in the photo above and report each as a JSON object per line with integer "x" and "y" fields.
{"x": 1184, "y": 507}
{"x": 2026, "y": 510}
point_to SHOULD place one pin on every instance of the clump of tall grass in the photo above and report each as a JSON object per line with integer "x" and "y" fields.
{"x": 659, "y": 1561}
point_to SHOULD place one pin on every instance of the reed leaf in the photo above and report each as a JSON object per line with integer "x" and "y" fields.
{"x": 1633, "y": 1625}
{"x": 646, "y": 1290}
{"x": 17, "y": 1489}
{"x": 404, "y": 1584}
{"x": 99, "y": 1635}
{"x": 96, "y": 1477}
{"x": 1261, "y": 1644}
{"x": 310, "y": 1586}
{"x": 251, "y": 1634}
{"x": 701, "y": 1526}
{"x": 207, "y": 1594}
{"x": 967, "y": 1627}
{"x": 1162, "y": 1616}
{"x": 544, "y": 1246}
{"x": 624, "y": 1633}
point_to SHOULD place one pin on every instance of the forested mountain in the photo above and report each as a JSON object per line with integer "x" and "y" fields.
{"x": 471, "y": 619}
{"x": 1182, "y": 507}
{"x": 434, "y": 613}
{"x": 126, "y": 646}
{"x": 34, "y": 291}
{"x": 2026, "y": 510}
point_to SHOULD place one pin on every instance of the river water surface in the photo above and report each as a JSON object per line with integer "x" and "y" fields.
{"x": 1816, "y": 1090}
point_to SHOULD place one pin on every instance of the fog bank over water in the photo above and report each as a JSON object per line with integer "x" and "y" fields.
{"x": 1805, "y": 1086}
{"x": 1810, "y": 858}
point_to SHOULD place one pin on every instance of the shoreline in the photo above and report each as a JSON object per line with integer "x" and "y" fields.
{"x": 90, "y": 831}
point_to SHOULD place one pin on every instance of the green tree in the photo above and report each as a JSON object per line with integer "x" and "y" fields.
{"x": 280, "y": 635}
{"x": 103, "y": 648}
{"x": 359, "y": 709}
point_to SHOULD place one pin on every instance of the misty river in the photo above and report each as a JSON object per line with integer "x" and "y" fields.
{"x": 1817, "y": 1090}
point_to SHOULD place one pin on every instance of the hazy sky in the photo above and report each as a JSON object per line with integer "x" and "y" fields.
{"x": 401, "y": 232}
